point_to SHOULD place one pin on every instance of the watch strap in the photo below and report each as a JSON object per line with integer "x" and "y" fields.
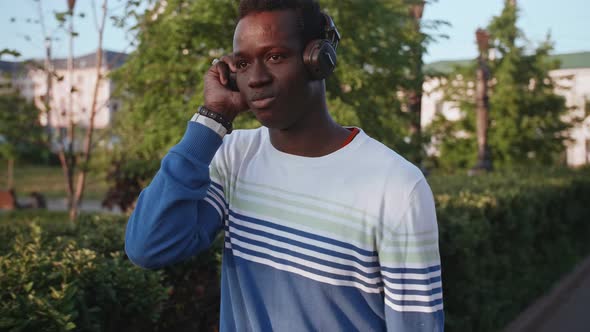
{"x": 210, "y": 123}
{"x": 204, "y": 111}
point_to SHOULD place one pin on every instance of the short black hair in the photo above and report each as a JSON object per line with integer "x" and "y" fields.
{"x": 311, "y": 21}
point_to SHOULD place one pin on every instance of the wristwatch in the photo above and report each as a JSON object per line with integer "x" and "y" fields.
{"x": 210, "y": 123}
{"x": 212, "y": 120}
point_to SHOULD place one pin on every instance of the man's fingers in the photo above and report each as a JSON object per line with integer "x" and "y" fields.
{"x": 223, "y": 70}
{"x": 225, "y": 66}
{"x": 229, "y": 61}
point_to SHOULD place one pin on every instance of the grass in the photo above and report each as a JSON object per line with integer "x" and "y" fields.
{"x": 49, "y": 181}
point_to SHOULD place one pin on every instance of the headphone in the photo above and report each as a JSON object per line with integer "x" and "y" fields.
{"x": 319, "y": 55}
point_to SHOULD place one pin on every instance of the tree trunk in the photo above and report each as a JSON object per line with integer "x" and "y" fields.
{"x": 10, "y": 174}
{"x": 70, "y": 155}
{"x": 87, "y": 148}
{"x": 48, "y": 72}
{"x": 49, "y": 82}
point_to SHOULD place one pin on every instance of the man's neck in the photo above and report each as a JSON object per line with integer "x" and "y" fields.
{"x": 316, "y": 136}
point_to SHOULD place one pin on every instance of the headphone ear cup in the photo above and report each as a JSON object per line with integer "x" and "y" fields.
{"x": 319, "y": 58}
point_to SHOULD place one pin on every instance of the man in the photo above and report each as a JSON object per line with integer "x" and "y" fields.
{"x": 325, "y": 228}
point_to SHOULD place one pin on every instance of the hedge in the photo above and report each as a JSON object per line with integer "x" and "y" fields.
{"x": 59, "y": 276}
{"x": 504, "y": 240}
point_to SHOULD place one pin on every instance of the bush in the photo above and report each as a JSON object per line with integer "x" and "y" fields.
{"x": 505, "y": 239}
{"x": 58, "y": 276}
{"x": 194, "y": 293}
{"x": 54, "y": 283}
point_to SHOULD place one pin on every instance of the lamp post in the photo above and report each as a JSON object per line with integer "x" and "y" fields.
{"x": 416, "y": 11}
{"x": 484, "y": 161}
{"x": 71, "y": 4}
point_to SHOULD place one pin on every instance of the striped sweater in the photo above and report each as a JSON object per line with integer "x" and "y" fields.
{"x": 343, "y": 242}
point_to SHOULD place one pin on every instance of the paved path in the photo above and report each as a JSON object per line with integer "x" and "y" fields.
{"x": 565, "y": 308}
{"x": 573, "y": 315}
{"x": 87, "y": 206}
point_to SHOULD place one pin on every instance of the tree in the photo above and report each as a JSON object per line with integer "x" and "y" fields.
{"x": 160, "y": 86}
{"x": 74, "y": 161}
{"x": 527, "y": 124}
{"x": 21, "y": 134}
{"x": 87, "y": 144}
{"x": 527, "y": 112}
{"x": 161, "y": 82}
{"x": 75, "y": 164}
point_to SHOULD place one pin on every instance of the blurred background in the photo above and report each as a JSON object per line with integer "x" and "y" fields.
{"x": 491, "y": 99}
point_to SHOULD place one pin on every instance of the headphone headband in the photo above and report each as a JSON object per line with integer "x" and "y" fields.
{"x": 330, "y": 31}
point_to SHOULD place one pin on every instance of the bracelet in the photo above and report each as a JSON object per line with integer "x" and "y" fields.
{"x": 204, "y": 111}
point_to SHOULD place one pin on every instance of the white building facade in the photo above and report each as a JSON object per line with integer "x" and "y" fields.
{"x": 30, "y": 80}
{"x": 573, "y": 83}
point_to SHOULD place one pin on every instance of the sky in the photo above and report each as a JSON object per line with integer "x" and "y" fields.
{"x": 567, "y": 20}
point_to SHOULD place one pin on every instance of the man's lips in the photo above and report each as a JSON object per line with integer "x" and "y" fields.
{"x": 263, "y": 102}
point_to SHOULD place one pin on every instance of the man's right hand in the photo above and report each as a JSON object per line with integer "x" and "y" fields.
{"x": 219, "y": 97}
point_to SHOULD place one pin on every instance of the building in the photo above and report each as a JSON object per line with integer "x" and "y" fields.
{"x": 573, "y": 82}
{"x": 29, "y": 79}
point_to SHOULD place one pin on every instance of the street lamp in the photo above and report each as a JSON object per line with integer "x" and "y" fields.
{"x": 71, "y": 4}
{"x": 484, "y": 161}
{"x": 417, "y": 9}
{"x": 414, "y": 99}
{"x": 483, "y": 41}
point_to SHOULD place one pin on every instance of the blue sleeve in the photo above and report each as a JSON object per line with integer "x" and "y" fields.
{"x": 173, "y": 218}
{"x": 410, "y": 267}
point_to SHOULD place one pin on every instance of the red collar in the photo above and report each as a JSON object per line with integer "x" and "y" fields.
{"x": 353, "y": 132}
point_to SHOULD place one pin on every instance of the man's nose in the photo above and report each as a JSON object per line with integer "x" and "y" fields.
{"x": 260, "y": 75}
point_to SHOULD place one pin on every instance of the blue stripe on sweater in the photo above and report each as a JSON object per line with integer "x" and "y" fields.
{"x": 282, "y": 261}
{"x": 425, "y": 304}
{"x": 408, "y": 281}
{"x": 303, "y": 234}
{"x": 305, "y": 245}
{"x": 324, "y": 262}
{"x": 411, "y": 270}
{"x": 415, "y": 292}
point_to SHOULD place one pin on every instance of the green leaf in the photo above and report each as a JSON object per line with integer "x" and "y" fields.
{"x": 28, "y": 286}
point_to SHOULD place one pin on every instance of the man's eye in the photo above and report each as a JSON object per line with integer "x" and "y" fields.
{"x": 241, "y": 64}
{"x": 276, "y": 57}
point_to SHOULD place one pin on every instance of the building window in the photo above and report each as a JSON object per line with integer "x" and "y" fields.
{"x": 438, "y": 107}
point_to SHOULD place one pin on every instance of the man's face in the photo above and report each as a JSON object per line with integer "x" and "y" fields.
{"x": 271, "y": 74}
